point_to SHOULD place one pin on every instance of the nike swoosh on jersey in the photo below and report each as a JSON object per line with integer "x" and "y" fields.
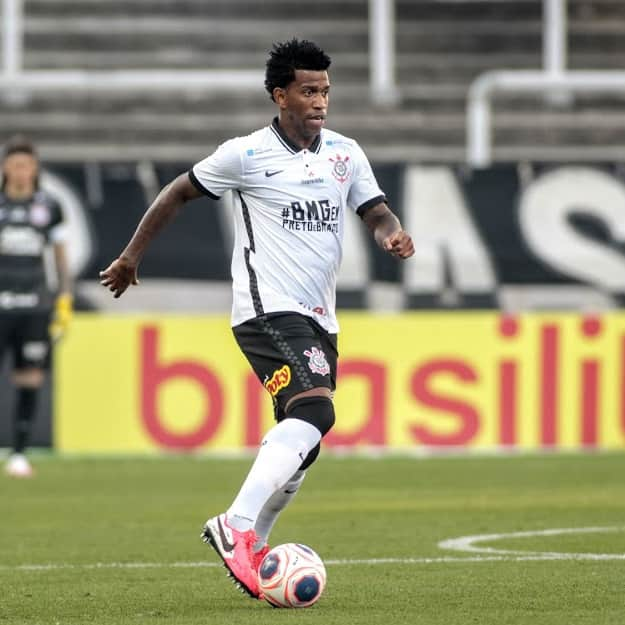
{"x": 268, "y": 173}
{"x": 227, "y": 545}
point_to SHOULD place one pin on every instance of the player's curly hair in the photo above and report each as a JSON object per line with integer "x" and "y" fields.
{"x": 286, "y": 57}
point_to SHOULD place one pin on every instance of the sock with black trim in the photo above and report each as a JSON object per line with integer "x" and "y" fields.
{"x": 274, "y": 506}
{"x": 281, "y": 453}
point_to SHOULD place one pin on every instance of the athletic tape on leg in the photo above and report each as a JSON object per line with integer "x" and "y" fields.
{"x": 317, "y": 410}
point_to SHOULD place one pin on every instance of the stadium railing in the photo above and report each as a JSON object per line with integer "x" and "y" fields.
{"x": 554, "y": 79}
{"x": 14, "y": 79}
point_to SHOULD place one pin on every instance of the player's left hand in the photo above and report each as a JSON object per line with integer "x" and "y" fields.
{"x": 63, "y": 313}
{"x": 399, "y": 244}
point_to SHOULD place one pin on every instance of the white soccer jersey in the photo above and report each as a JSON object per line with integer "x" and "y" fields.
{"x": 289, "y": 221}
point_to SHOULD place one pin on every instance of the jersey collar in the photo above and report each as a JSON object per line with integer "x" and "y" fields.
{"x": 288, "y": 144}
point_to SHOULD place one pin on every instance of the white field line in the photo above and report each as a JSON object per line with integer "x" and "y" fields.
{"x": 363, "y": 561}
{"x": 463, "y": 543}
{"x": 469, "y": 544}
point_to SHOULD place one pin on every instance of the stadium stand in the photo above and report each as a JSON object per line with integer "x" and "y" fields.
{"x": 441, "y": 46}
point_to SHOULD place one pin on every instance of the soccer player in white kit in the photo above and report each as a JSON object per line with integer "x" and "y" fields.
{"x": 292, "y": 182}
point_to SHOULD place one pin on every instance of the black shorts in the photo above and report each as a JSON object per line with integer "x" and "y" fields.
{"x": 289, "y": 353}
{"x": 26, "y": 336}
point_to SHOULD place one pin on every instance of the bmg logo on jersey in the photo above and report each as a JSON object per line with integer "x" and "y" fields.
{"x": 311, "y": 216}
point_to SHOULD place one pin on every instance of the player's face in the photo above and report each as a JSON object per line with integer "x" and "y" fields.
{"x": 304, "y": 104}
{"x": 20, "y": 170}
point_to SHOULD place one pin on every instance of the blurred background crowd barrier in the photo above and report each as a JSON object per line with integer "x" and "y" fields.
{"x": 496, "y": 129}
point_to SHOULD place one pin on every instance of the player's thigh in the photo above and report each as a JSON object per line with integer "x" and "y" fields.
{"x": 288, "y": 355}
{"x": 31, "y": 341}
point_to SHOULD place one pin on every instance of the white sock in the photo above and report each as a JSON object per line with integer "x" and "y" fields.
{"x": 281, "y": 453}
{"x": 274, "y": 506}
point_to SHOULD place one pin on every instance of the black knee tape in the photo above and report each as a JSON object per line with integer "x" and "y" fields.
{"x": 311, "y": 457}
{"x": 318, "y": 411}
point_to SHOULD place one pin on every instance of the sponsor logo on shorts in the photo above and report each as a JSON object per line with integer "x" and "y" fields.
{"x": 35, "y": 351}
{"x": 279, "y": 379}
{"x": 317, "y": 362}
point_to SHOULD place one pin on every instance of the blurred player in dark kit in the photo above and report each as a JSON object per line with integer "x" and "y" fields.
{"x": 293, "y": 183}
{"x": 32, "y": 312}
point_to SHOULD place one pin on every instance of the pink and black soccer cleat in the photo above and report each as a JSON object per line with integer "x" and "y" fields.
{"x": 235, "y": 549}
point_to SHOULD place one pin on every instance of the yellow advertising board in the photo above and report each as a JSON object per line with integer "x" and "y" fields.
{"x": 406, "y": 381}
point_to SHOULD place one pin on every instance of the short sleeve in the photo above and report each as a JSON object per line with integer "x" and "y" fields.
{"x": 219, "y": 172}
{"x": 364, "y": 191}
{"x": 57, "y": 229}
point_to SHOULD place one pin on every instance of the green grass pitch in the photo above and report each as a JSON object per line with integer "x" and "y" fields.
{"x": 116, "y": 541}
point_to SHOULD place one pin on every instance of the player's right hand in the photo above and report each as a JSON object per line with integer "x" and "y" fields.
{"x": 118, "y": 276}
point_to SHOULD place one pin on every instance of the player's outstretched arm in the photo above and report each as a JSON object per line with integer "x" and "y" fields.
{"x": 387, "y": 231}
{"x": 122, "y": 272}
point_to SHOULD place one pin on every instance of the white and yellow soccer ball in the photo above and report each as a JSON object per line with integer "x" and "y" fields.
{"x": 292, "y": 576}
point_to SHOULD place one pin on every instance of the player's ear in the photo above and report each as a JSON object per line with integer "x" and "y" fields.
{"x": 280, "y": 97}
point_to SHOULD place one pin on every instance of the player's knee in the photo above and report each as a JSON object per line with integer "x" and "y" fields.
{"x": 316, "y": 410}
{"x": 33, "y": 377}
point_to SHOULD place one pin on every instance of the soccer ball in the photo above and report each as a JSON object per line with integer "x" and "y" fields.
{"x": 292, "y": 576}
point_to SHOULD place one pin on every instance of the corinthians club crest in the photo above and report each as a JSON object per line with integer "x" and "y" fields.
{"x": 317, "y": 362}
{"x": 341, "y": 169}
